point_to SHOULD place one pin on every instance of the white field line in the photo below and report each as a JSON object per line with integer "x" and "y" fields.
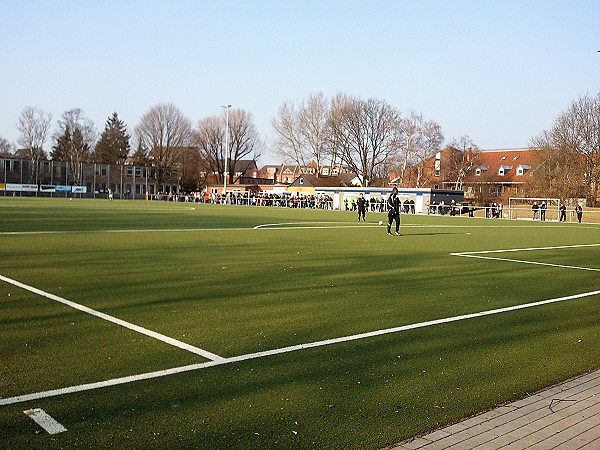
{"x": 101, "y": 315}
{"x": 281, "y": 226}
{"x": 529, "y": 262}
{"x": 44, "y": 420}
{"x": 221, "y": 361}
{"x": 157, "y": 230}
{"x": 248, "y": 356}
{"x": 302, "y": 225}
{"x": 524, "y": 249}
{"x": 478, "y": 255}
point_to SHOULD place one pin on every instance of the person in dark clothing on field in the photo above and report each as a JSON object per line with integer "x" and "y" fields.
{"x": 361, "y": 204}
{"x": 563, "y": 213}
{"x": 543, "y": 208}
{"x": 393, "y": 207}
{"x": 579, "y": 212}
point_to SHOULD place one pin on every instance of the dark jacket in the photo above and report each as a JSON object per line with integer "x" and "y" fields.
{"x": 361, "y": 203}
{"x": 393, "y": 205}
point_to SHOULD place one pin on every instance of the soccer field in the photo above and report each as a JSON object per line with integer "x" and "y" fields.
{"x": 178, "y": 325}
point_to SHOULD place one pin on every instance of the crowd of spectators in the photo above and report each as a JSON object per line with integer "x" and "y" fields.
{"x": 286, "y": 200}
{"x": 252, "y": 199}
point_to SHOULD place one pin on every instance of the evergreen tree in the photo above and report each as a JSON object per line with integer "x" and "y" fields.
{"x": 113, "y": 146}
{"x": 62, "y": 148}
{"x": 141, "y": 157}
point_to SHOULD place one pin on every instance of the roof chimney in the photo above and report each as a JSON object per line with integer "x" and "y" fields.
{"x": 469, "y": 154}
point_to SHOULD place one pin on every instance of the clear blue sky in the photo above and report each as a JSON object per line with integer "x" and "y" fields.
{"x": 499, "y": 71}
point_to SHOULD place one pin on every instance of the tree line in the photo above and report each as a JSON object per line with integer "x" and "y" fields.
{"x": 368, "y": 136}
{"x": 570, "y": 154}
{"x": 165, "y": 139}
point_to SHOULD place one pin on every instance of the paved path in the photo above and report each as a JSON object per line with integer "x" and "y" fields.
{"x": 565, "y": 416}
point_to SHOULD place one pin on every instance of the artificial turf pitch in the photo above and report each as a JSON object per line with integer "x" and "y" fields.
{"x": 206, "y": 276}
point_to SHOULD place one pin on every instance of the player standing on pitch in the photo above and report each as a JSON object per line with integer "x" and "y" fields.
{"x": 361, "y": 203}
{"x": 393, "y": 206}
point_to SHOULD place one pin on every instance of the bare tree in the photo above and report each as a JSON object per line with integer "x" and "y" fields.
{"x": 161, "y": 131}
{"x": 571, "y": 153}
{"x": 243, "y": 141}
{"x": 74, "y": 119}
{"x": 289, "y": 141}
{"x": 210, "y": 139}
{"x": 430, "y": 145}
{"x": 33, "y": 126}
{"x": 463, "y": 161}
{"x": 303, "y": 131}
{"x": 416, "y": 140}
{"x": 364, "y": 132}
{"x": 74, "y": 139}
{"x": 6, "y": 148}
{"x": 313, "y": 121}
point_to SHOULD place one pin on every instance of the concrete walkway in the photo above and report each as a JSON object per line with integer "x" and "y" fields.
{"x": 565, "y": 416}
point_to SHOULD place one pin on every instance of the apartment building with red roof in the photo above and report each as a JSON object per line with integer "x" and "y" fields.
{"x": 485, "y": 175}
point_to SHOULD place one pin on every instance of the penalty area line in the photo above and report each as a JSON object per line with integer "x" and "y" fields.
{"x": 109, "y": 318}
{"x": 485, "y": 252}
{"x": 529, "y": 262}
{"x": 293, "y": 348}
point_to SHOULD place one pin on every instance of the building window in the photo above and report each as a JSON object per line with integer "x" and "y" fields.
{"x": 503, "y": 169}
{"x": 480, "y": 170}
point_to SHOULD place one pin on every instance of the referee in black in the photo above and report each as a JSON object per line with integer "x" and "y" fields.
{"x": 393, "y": 206}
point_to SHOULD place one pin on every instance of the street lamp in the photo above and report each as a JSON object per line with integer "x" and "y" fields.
{"x": 226, "y": 148}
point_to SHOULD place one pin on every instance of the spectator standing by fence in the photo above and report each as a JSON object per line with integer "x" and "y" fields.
{"x": 535, "y": 209}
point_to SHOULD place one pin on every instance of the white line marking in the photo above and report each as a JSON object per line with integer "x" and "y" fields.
{"x": 175, "y": 370}
{"x": 477, "y": 255}
{"x": 166, "y": 230}
{"x": 524, "y": 249}
{"x": 101, "y": 315}
{"x": 529, "y": 262}
{"x": 45, "y": 421}
{"x": 288, "y": 223}
{"x": 290, "y": 226}
{"x": 280, "y": 226}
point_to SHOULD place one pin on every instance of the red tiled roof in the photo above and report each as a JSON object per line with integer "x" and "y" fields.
{"x": 512, "y": 162}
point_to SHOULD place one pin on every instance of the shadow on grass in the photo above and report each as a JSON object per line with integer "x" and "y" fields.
{"x": 364, "y": 394}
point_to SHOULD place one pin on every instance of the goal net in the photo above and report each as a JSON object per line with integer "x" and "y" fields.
{"x": 533, "y": 208}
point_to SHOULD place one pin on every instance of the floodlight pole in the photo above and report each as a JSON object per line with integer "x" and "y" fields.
{"x": 226, "y": 149}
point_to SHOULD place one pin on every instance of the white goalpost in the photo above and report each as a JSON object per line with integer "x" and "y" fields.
{"x": 521, "y": 208}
